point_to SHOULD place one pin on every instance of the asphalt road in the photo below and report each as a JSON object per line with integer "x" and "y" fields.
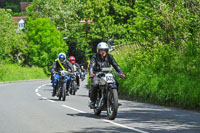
{"x": 28, "y": 107}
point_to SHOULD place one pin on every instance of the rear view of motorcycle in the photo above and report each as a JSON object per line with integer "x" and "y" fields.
{"x": 107, "y": 96}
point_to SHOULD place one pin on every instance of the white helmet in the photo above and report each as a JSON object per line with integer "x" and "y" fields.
{"x": 103, "y": 46}
{"x": 62, "y": 57}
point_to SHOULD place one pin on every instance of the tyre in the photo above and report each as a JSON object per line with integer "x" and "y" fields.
{"x": 73, "y": 88}
{"x": 63, "y": 91}
{"x": 60, "y": 93}
{"x": 112, "y": 104}
{"x": 97, "y": 110}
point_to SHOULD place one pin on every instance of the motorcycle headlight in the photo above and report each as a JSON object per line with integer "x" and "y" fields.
{"x": 63, "y": 73}
{"x": 102, "y": 81}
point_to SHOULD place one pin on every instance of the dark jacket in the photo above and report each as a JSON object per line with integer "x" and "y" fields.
{"x": 56, "y": 66}
{"x": 96, "y": 63}
{"x": 77, "y": 68}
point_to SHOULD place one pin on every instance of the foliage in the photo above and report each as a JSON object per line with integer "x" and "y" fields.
{"x": 13, "y": 42}
{"x": 158, "y": 76}
{"x": 14, "y": 72}
{"x": 110, "y": 19}
{"x": 14, "y": 5}
{"x": 65, "y": 15}
{"x": 45, "y": 42}
{"x": 17, "y": 14}
{"x": 165, "y": 68}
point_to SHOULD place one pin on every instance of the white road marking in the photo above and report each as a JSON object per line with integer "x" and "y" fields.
{"x": 51, "y": 101}
{"x": 38, "y": 94}
{"x": 80, "y": 111}
{"x": 44, "y": 98}
{"x": 73, "y": 108}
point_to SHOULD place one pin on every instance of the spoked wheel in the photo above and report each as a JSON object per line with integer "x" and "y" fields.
{"x": 97, "y": 109}
{"x": 73, "y": 88}
{"x": 112, "y": 104}
{"x": 59, "y": 93}
{"x": 63, "y": 92}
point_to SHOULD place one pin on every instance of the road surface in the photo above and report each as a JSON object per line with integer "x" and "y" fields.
{"x": 28, "y": 107}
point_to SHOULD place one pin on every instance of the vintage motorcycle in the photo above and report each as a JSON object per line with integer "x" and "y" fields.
{"x": 107, "y": 94}
{"x": 73, "y": 87}
{"x": 62, "y": 84}
{"x": 82, "y": 76}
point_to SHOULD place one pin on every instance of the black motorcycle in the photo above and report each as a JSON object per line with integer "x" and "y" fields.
{"x": 62, "y": 84}
{"x": 107, "y": 95}
{"x": 83, "y": 76}
{"x": 74, "y": 87}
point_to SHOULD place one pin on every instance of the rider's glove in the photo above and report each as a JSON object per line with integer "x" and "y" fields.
{"x": 123, "y": 75}
{"x": 92, "y": 75}
{"x": 53, "y": 74}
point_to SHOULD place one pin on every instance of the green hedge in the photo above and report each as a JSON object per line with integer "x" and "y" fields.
{"x": 14, "y": 72}
{"x": 161, "y": 75}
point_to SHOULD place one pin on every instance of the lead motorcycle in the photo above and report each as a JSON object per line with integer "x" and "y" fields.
{"x": 62, "y": 84}
{"x": 107, "y": 94}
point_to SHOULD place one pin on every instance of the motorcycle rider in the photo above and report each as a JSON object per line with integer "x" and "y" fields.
{"x": 61, "y": 64}
{"x": 100, "y": 60}
{"x": 77, "y": 69}
{"x": 83, "y": 71}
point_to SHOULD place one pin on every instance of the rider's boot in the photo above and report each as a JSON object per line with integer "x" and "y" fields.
{"x": 78, "y": 85}
{"x": 93, "y": 97}
{"x": 92, "y": 105}
{"x": 67, "y": 92}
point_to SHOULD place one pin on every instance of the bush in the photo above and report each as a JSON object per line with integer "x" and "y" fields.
{"x": 160, "y": 75}
{"x": 14, "y": 72}
{"x": 45, "y": 42}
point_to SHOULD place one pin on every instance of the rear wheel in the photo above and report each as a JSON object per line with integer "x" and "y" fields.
{"x": 112, "y": 104}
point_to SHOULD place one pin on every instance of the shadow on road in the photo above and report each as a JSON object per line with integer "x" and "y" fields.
{"x": 111, "y": 129}
{"x": 159, "y": 119}
{"x": 88, "y": 115}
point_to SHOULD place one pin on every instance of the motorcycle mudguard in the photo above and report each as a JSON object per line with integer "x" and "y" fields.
{"x": 64, "y": 81}
{"x": 113, "y": 86}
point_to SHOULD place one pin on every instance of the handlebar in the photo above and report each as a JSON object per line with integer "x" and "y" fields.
{"x": 103, "y": 73}
{"x": 68, "y": 73}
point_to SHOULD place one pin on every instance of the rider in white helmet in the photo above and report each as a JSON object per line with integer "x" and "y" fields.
{"x": 99, "y": 60}
{"x": 57, "y": 66}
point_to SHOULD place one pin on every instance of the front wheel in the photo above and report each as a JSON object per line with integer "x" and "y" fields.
{"x": 112, "y": 104}
{"x": 63, "y": 91}
{"x": 73, "y": 88}
{"x": 97, "y": 109}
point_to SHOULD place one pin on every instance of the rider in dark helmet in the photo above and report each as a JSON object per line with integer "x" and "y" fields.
{"x": 100, "y": 60}
{"x": 60, "y": 64}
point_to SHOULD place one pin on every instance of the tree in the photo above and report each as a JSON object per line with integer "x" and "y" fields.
{"x": 110, "y": 20}
{"x": 45, "y": 42}
{"x": 65, "y": 14}
{"x": 13, "y": 42}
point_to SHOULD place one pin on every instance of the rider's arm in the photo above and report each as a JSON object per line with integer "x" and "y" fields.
{"x": 70, "y": 66}
{"x": 114, "y": 64}
{"x": 79, "y": 68}
{"x": 92, "y": 64}
{"x": 53, "y": 69}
